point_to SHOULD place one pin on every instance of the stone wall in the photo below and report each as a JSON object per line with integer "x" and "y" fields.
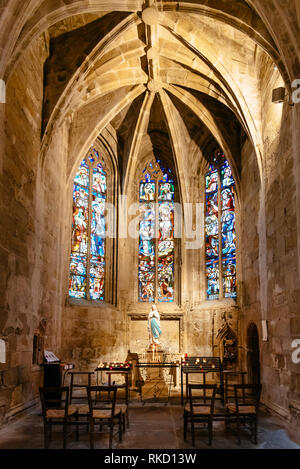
{"x": 270, "y": 255}
{"x": 21, "y": 309}
{"x": 112, "y": 98}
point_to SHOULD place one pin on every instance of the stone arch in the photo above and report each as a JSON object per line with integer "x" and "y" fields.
{"x": 109, "y": 158}
{"x": 242, "y": 18}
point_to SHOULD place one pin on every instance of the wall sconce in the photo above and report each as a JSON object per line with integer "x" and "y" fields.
{"x": 2, "y": 351}
{"x": 278, "y": 95}
{"x": 264, "y": 326}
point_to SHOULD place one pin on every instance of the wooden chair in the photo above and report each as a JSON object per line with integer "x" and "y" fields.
{"x": 200, "y": 408}
{"x": 123, "y": 407}
{"x": 56, "y": 411}
{"x": 83, "y": 408}
{"x": 103, "y": 411}
{"x": 243, "y": 411}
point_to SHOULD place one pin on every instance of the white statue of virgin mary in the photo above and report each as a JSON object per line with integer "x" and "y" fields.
{"x": 154, "y": 329}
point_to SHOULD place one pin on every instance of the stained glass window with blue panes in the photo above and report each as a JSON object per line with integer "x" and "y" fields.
{"x": 220, "y": 234}
{"x": 156, "y": 235}
{"x": 87, "y": 263}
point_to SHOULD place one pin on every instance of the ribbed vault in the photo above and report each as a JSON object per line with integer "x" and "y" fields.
{"x": 196, "y": 63}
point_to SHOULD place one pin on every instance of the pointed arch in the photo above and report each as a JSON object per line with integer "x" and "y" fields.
{"x": 93, "y": 233}
{"x": 220, "y": 229}
{"x": 156, "y": 233}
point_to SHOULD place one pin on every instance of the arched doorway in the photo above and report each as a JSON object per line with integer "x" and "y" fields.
{"x": 253, "y": 355}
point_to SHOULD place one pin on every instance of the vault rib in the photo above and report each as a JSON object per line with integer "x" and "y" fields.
{"x": 139, "y": 132}
{"x": 206, "y": 117}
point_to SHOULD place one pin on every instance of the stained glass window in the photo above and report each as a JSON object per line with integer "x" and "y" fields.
{"x": 87, "y": 262}
{"x": 156, "y": 234}
{"x": 220, "y": 236}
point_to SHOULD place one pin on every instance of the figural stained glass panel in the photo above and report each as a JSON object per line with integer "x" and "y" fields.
{"x": 87, "y": 261}
{"x": 228, "y": 231}
{"x": 212, "y": 233}
{"x": 156, "y": 253}
{"x": 220, "y": 235}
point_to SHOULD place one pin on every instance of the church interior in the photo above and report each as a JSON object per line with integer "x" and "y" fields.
{"x": 150, "y": 208}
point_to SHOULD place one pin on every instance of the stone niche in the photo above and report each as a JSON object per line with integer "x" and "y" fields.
{"x": 170, "y": 339}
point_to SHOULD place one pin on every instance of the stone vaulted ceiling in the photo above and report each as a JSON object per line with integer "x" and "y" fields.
{"x": 157, "y": 73}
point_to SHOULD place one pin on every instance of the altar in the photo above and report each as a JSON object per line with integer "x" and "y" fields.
{"x": 158, "y": 376}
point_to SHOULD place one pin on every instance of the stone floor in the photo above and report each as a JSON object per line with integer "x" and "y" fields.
{"x": 152, "y": 426}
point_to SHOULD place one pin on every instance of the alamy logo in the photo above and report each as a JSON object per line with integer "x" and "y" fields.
{"x": 296, "y": 353}
{"x": 2, "y": 92}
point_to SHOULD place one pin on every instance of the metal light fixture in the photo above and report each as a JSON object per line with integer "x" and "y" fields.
{"x": 278, "y": 95}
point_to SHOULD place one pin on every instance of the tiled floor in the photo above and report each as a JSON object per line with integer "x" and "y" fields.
{"x": 152, "y": 426}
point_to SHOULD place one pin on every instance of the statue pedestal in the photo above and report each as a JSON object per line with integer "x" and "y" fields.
{"x": 155, "y": 385}
{"x": 154, "y": 356}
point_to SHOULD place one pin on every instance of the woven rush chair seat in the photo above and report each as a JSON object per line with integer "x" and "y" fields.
{"x": 83, "y": 409}
{"x": 247, "y": 409}
{"x": 104, "y": 413}
{"x": 60, "y": 413}
{"x": 198, "y": 410}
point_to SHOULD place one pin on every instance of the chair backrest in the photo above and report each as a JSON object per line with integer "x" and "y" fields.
{"x": 52, "y": 398}
{"x": 202, "y": 395}
{"x": 230, "y": 378}
{"x": 229, "y": 395}
{"x": 247, "y": 395}
{"x": 102, "y": 397}
{"x": 80, "y": 385}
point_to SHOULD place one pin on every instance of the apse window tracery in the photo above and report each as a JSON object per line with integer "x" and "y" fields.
{"x": 87, "y": 262}
{"x": 220, "y": 234}
{"x": 156, "y": 234}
